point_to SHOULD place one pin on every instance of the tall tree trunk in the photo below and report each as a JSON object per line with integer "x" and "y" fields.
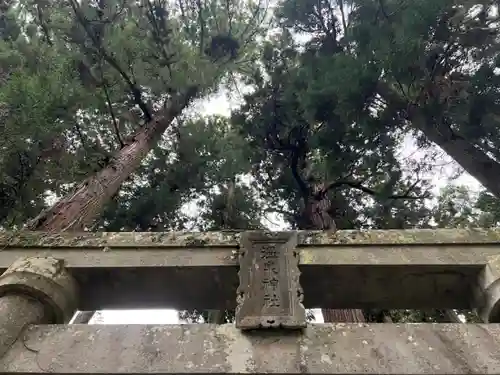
{"x": 472, "y": 159}
{"x": 475, "y": 161}
{"x": 317, "y": 216}
{"x": 216, "y": 316}
{"x": 88, "y": 200}
{"x": 343, "y": 315}
{"x": 83, "y": 317}
{"x": 228, "y": 221}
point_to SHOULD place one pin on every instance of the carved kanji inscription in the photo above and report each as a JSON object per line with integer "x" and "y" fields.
{"x": 269, "y": 294}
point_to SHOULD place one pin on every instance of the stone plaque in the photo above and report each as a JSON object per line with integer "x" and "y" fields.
{"x": 269, "y": 294}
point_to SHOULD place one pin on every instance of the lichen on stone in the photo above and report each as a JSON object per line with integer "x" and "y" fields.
{"x": 20, "y": 239}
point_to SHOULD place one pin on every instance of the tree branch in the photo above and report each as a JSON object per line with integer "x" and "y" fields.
{"x": 157, "y": 36}
{"x": 201, "y": 21}
{"x": 110, "y": 108}
{"x": 294, "y": 166}
{"x": 342, "y": 13}
{"x": 43, "y": 25}
{"x": 359, "y": 186}
{"x": 332, "y": 34}
{"x": 113, "y": 117}
{"x": 136, "y": 92}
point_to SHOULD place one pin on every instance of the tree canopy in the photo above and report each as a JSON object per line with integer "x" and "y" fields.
{"x": 97, "y": 100}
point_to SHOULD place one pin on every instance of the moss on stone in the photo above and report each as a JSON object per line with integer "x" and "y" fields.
{"x": 232, "y": 238}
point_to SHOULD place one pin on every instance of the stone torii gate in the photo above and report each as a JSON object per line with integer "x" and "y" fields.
{"x": 47, "y": 277}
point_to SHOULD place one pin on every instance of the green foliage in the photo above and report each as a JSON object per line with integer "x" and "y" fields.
{"x": 71, "y": 71}
{"x": 339, "y": 104}
{"x": 302, "y": 107}
{"x": 327, "y": 105}
{"x": 195, "y": 316}
{"x": 440, "y": 58}
{"x": 458, "y": 207}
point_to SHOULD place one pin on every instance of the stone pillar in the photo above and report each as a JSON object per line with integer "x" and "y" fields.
{"x": 34, "y": 291}
{"x": 487, "y": 291}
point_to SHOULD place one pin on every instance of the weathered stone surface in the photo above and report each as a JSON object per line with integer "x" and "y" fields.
{"x": 337, "y": 276}
{"x": 269, "y": 294}
{"x": 16, "y": 314}
{"x": 486, "y": 292}
{"x": 203, "y": 348}
{"x": 346, "y": 269}
{"x": 232, "y": 238}
{"x": 46, "y": 280}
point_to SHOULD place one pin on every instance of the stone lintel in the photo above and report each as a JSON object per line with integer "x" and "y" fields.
{"x": 232, "y": 238}
{"x": 419, "y": 276}
{"x": 203, "y": 348}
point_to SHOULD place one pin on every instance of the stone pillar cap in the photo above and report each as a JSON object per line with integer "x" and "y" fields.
{"x": 46, "y": 280}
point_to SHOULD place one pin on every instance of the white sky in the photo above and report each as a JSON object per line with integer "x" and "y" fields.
{"x": 219, "y": 104}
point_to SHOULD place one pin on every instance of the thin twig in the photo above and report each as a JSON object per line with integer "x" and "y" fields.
{"x": 344, "y": 22}
{"x": 43, "y": 25}
{"x": 110, "y": 107}
{"x": 359, "y": 186}
{"x": 136, "y": 92}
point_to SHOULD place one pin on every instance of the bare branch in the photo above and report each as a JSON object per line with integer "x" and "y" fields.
{"x": 110, "y": 108}
{"x": 332, "y": 34}
{"x": 229, "y": 16}
{"x": 342, "y": 13}
{"x": 113, "y": 117}
{"x": 294, "y": 166}
{"x": 253, "y": 23}
{"x": 157, "y": 36}
{"x": 43, "y": 25}
{"x": 136, "y": 92}
{"x": 201, "y": 21}
{"x": 80, "y": 135}
{"x": 359, "y": 186}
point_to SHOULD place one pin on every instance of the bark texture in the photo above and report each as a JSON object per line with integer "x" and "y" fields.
{"x": 83, "y": 317}
{"x": 317, "y": 215}
{"x": 88, "y": 199}
{"x": 472, "y": 159}
{"x": 475, "y": 161}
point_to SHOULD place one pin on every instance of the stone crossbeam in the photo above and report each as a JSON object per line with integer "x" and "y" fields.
{"x": 345, "y": 269}
{"x": 223, "y": 349}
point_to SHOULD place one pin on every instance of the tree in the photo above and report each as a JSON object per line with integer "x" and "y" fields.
{"x": 430, "y": 71}
{"x": 434, "y": 63}
{"x": 155, "y": 57}
{"x": 458, "y": 207}
{"x": 38, "y": 94}
{"x": 321, "y": 149}
{"x": 130, "y": 45}
{"x": 437, "y": 62}
{"x": 313, "y": 155}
